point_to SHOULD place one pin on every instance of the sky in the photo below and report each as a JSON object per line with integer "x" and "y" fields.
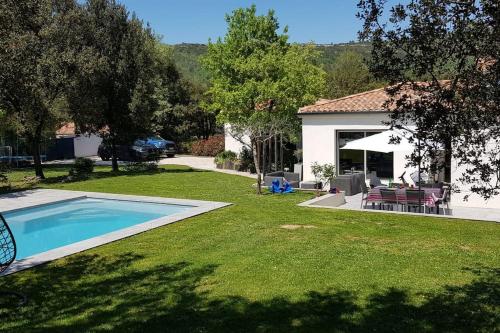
{"x": 195, "y": 21}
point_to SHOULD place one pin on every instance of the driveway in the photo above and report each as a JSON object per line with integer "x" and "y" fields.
{"x": 201, "y": 162}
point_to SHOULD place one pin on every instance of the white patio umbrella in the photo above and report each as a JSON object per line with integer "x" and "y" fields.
{"x": 380, "y": 142}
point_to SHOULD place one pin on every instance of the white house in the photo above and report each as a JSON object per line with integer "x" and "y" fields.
{"x": 329, "y": 124}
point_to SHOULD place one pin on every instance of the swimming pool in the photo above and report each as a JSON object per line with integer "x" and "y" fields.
{"x": 51, "y": 224}
{"x": 40, "y": 229}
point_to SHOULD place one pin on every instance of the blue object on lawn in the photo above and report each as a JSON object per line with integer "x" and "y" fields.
{"x": 287, "y": 188}
{"x": 275, "y": 187}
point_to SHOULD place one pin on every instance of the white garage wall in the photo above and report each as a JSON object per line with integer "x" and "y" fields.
{"x": 230, "y": 143}
{"x": 86, "y": 145}
{"x": 319, "y": 134}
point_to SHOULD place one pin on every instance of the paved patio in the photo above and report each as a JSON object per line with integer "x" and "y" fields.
{"x": 481, "y": 214}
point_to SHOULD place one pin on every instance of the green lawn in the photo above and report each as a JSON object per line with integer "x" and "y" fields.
{"x": 238, "y": 270}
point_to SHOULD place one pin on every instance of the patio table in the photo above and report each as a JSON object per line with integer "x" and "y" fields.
{"x": 374, "y": 195}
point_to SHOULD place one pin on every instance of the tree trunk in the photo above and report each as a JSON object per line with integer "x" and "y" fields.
{"x": 447, "y": 158}
{"x": 276, "y": 166}
{"x": 270, "y": 154}
{"x": 114, "y": 157}
{"x": 37, "y": 161}
{"x": 282, "y": 163}
{"x": 264, "y": 159}
{"x": 256, "y": 161}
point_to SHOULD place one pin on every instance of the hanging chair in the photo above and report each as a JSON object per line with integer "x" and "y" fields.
{"x": 8, "y": 255}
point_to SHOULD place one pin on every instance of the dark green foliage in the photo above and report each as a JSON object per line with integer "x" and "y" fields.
{"x": 116, "y": 74}
{"x": 246, "y": 160}
{"x": 34, "y": 53}
{"x": 82, "y": 168}
{"x": 183, "y": 119}
{"x": 348, "y": 75}
{"x": 186, "y": 57}
{"x": 4, "y": 169}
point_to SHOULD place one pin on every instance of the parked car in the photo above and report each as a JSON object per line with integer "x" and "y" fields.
{"x": 164, "y": 146}
{"x": 138, "y": 151}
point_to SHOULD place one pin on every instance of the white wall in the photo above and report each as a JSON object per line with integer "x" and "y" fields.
{"x": 319, "y": 135}
{"x": 86, "y": 145}
{"x": 474, "y": 200}
{"x": 230, "y": 143}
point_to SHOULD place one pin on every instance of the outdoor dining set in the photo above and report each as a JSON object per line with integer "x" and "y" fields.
{"x": 401, "y": 197}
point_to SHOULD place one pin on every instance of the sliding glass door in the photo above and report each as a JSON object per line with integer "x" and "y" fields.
{"x": 370, "y": 162}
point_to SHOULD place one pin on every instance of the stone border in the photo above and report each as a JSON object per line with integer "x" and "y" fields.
{"x": 198, "y": 207}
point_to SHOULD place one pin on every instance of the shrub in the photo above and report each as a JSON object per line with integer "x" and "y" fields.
{"x": 141, "y": 167}
{"x": 82, "y": 168}
{"x": 4, "y": 169}
{"x": 226, "y": 156}
{"x": 246, "y": 160}
{"x": 209, "y": 147}
{"x": 184, "y": 147}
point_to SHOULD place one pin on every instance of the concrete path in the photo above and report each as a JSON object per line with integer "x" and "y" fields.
{"x": 204, "y": 163}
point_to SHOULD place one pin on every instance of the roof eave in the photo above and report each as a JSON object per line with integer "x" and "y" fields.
{"x": 300, "y": 114}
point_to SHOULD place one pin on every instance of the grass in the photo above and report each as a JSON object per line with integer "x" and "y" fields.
{"x": 238, "y": 270}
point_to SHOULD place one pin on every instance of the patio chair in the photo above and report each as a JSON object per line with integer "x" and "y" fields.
{"x": 442, "y": 200}
{"x": 364, "y": 194}
{"x": 8, "y": 252}
{"x": 416, "y": 199}
{"x": 389, "y": 197}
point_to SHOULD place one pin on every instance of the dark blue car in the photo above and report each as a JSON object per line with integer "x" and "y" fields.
{"x": 164, "y": 146}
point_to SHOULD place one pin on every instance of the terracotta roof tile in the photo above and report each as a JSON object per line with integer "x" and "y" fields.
{"x": 369, "y": 101}
{"x": 67, "y": 129}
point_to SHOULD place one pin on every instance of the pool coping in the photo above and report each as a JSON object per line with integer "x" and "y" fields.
{"x": 198, "y": 207}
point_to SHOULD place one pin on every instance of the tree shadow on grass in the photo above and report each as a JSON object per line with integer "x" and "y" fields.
{"x": 122, "y": 173}
{"x": 95, "y": 293}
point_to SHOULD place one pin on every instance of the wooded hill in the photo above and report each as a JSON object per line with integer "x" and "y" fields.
{"x": 186, "y": 57}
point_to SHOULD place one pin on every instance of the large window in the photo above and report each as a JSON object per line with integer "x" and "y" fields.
{"x": 373, "y": 163}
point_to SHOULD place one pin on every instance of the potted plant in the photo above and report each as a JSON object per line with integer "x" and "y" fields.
{"x": 323, "y": 174}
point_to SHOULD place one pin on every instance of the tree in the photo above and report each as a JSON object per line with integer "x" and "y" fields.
{"x": 33, "y": 37}
{"x": 259, "y": 80}
{"x": 181, "y": 115}
{"x": 115, "y": 74}
{"x": 431, "y": 40}
{"x": 349, "y": 75}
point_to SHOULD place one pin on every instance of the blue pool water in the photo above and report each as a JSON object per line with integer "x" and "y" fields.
{"x": 47, "y": 227}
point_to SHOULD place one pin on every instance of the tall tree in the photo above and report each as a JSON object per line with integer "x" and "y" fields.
{"x": 429, "y": 40}
{"x": 115, "y": 77}
{"x": 34, "y": 51}
{"x": 350, "y": 75}
{"x": 180, "y": 115}
{"x": 259, "y": 80}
